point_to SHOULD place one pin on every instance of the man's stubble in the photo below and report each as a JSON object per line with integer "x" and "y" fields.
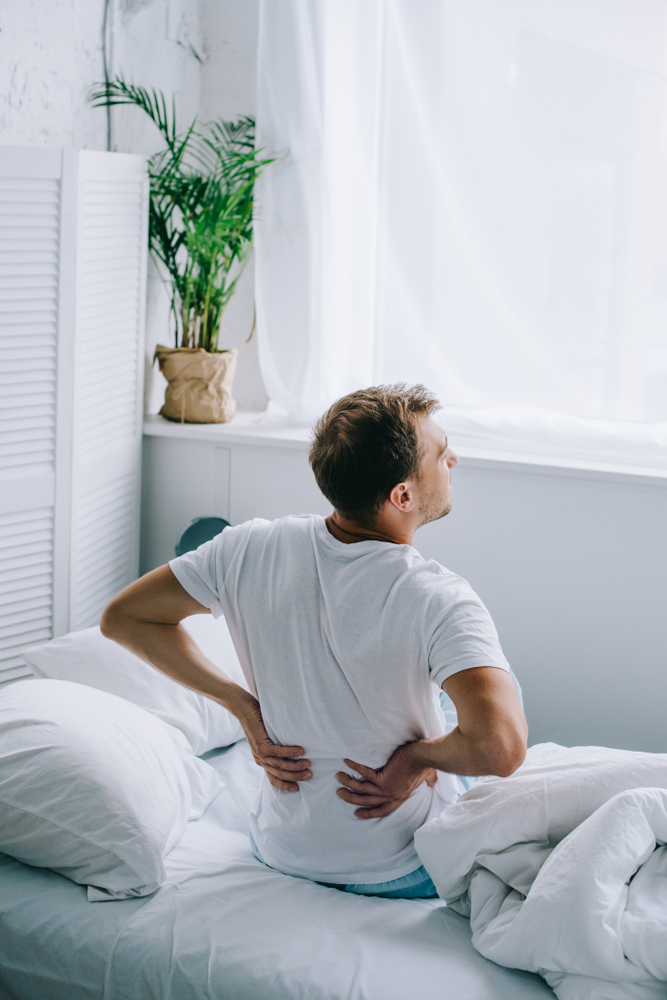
{"x": 432, "y": 508}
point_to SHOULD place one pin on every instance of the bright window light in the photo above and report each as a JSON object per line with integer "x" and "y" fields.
{"x": 472, "y": 195}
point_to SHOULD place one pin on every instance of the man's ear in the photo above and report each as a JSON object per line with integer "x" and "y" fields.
{"x": 401, "y": 497}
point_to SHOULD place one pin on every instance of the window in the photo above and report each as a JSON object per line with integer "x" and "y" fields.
{"x": 472, "y": 195}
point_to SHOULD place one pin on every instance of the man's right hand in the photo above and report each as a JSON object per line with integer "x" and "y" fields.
{"x": 145, "y": 618}
{"x": 281, "y": 770}
{"x": 382, "y": 791}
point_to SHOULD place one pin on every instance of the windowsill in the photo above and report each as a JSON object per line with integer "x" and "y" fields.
{"x": 252, "y": 428}
{"x": 249, "y": 427}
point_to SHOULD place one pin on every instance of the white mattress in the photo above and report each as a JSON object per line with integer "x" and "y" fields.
{"x": 225, "y": 927}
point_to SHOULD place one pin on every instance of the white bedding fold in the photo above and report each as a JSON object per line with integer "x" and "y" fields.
{"x": 562, "y": 869}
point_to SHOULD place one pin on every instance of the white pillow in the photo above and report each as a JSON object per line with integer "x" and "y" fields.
{"x": 87, "y": 657}
{"x": 94, "y": 787}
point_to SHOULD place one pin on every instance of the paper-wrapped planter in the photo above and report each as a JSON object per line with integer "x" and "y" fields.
{"x": 199, "y": 389}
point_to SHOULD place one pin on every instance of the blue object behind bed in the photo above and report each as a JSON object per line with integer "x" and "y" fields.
{"x": 201, "y": 530}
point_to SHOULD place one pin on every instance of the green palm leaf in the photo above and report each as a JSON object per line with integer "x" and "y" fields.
{"x": 201, "y": 208}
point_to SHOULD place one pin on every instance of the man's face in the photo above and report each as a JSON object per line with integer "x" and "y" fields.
{"x": 435, "y": 488}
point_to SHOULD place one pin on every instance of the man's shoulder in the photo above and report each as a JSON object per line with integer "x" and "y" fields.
{"x": 443, "y": 585}
{"x": 251, "y": 543}
{"x": 428, "y": 571}
{"x": 294, "y": 523}
{"x": 259, "y": 530}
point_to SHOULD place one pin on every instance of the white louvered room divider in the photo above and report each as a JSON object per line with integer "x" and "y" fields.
{"x": 72, "y": 291}
{"x": 108, "y": 382}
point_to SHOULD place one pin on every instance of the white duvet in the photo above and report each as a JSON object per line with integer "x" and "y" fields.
{"x": 562, "y": 869}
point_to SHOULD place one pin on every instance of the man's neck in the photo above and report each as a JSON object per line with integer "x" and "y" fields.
{"x": 347, "y": 531}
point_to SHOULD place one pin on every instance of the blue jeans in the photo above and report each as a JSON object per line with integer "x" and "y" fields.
{"x": 416, "y": 885}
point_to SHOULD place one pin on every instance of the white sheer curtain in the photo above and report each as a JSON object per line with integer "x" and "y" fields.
{"x": 473, "y": 195}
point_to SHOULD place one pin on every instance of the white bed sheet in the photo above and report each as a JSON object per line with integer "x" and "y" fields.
{"x": 225, "y": 927}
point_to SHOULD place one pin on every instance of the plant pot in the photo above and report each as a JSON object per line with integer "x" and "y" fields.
{"x": 199, "y": 389}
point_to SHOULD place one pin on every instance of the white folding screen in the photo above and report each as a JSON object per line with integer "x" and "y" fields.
{"x": 31, "y": 248}
{"x": 111, "y": 268}
{"x": 72, "y": 284}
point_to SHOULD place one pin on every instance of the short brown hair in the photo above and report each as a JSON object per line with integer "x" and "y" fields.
{"x": 366, "y": 443}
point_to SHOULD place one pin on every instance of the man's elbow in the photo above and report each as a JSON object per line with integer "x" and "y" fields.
{"x": 505, "y": 753}
{"x": 510, "y": 761}
{"x": 511, "y": 753}
{"x": 111, "y": 620}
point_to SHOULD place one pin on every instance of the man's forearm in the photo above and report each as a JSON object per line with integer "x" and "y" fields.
{"x": 146, "y": 617}
{"x": 490, "y": 738}
{"x": 457, "y": 753}
{"x": 170, "y": 649}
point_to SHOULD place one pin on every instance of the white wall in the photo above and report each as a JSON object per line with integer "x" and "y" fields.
{"x": 51, "y": 54}
{"x": 571, "y": 565}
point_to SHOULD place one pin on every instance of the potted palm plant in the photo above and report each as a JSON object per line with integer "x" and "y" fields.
{"x": 200, "y": 232}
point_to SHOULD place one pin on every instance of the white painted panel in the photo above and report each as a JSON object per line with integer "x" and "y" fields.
{"x": 273, "y": 482}
{"x": 29, "y": 251}
{"x": 30, "y": 279}
{"x": 108, "y": 379}
{"x": 105, "y": 555}
{"x": 182, "y": 480}
{"x": 72, "y": 289}
{"x": 26, "y": 586}
{"x": 27, "y": 494}
{"x": 111, "y": 241}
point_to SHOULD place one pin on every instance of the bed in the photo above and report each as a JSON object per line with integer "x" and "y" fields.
{"x": 225, "y": 927}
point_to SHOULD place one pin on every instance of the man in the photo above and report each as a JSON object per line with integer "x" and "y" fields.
{"x": 345, "y": 635}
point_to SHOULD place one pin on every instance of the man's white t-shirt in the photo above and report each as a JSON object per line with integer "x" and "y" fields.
{"x": 346, "y": 648}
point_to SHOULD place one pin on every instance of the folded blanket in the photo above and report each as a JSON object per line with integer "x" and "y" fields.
{"x": 562, "y": 869}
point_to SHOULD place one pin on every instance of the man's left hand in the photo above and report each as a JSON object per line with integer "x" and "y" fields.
{"x": 490, "y": 738}
{"x": 382, "y": 791}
